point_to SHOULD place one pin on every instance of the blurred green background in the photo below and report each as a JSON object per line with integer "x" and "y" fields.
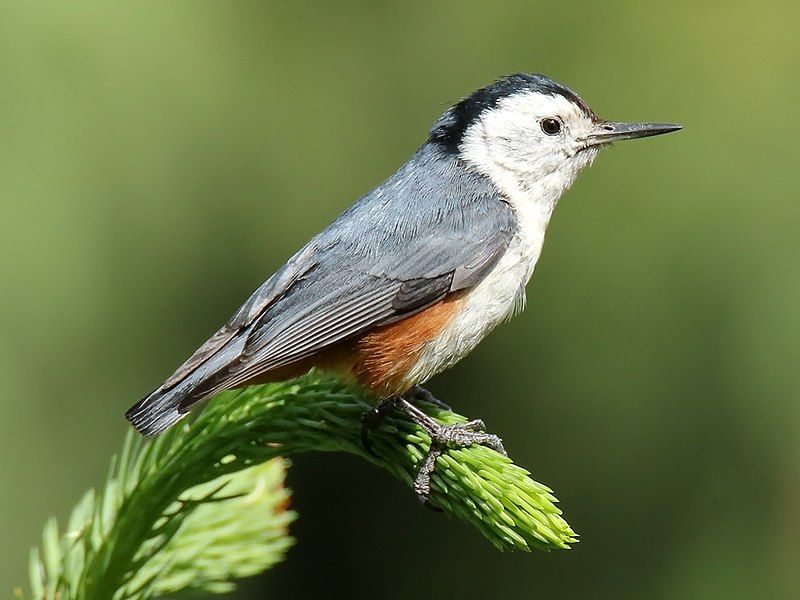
{"x": 159, "y": 160}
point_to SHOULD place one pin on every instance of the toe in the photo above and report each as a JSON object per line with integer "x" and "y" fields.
{"x": 475, "y": 425}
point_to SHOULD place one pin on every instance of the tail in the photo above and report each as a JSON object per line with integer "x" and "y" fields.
{"x": 171, "y": 401}
{"x": 158, "y": 412}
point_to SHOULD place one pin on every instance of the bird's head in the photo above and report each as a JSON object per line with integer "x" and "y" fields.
{"x": 527, "y": 131}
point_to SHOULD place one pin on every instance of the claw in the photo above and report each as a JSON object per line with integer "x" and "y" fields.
{"x": 370, "y": 419}
{"x": 475, "y": 425}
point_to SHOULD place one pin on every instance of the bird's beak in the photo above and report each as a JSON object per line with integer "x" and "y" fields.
{"x": 606, "y": 131}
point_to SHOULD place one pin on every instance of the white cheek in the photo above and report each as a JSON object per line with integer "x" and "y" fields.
{"x": 524, "y": 153}
{"x": 508, "y": 145}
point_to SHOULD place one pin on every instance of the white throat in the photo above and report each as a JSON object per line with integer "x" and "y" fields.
{"x": 533, "y": 198}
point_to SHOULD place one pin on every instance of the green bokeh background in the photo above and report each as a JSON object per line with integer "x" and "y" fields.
{"x": 159, "y": 159}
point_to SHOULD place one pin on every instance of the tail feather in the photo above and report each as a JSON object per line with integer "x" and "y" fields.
{"x": 172, "y": 400}
{"x": 157, "y": 412}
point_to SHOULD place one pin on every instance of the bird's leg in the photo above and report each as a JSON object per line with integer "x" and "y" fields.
{"x": 459, "y": 435}
{"x": 420, "y": 393}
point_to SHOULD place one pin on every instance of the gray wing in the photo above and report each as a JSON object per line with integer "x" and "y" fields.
{"x": 429, "y": 231}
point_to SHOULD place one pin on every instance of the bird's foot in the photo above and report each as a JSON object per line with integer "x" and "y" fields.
{"x": 420, "y": 393}
{"x": 372, "y": 418}
{"x": 459, "y": 435}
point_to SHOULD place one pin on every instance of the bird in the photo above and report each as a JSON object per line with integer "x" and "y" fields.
{"x": 413, "y": 275}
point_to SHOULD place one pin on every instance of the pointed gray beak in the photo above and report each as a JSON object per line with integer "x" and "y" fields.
{"x": 606, "y": 131}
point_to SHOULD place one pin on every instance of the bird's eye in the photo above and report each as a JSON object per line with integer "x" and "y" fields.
{"x": 551, "y": 126}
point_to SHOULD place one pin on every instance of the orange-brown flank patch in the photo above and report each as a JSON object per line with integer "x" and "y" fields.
{"x": 385, "y": 355}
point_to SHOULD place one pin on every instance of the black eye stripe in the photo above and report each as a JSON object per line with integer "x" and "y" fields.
{"x": 550, "y": 126}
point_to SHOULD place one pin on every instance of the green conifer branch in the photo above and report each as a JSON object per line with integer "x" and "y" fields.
{"x": 204, "y": 503}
